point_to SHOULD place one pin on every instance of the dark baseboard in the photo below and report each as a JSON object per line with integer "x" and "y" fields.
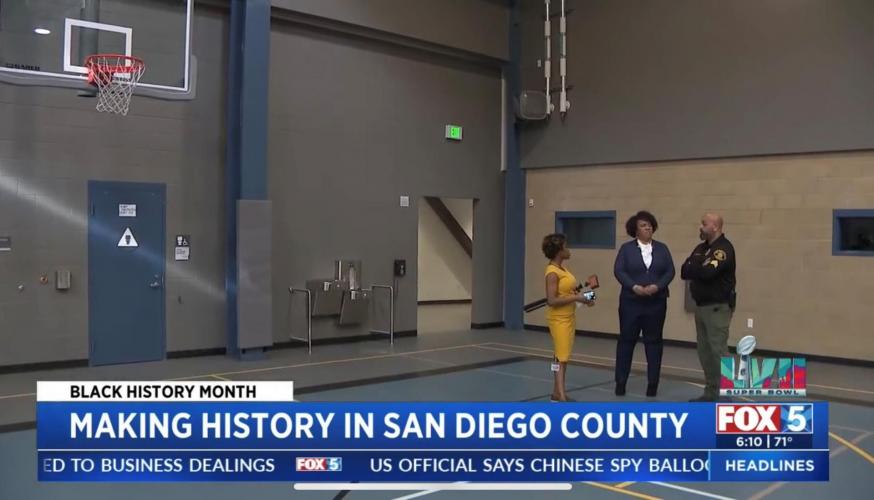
{"x": 294, "y": 344}
{"x": 485, "y": 326}
{"x": 444, "y": 302}
{"x": 17, "y": 427}
{"x": 197, "y": 353}
{"x": 83, "y": 363}
{"x": 759, "y": 352}
{"x": 47, "y": 365}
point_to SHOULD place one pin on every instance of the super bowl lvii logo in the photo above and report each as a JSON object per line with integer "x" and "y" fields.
{"x": 744, "y": 375}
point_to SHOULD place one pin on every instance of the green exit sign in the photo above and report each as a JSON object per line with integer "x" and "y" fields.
{"x": 453, "y": 132}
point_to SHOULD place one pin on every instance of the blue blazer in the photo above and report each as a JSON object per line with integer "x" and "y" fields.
{"x": 630, "y": 270}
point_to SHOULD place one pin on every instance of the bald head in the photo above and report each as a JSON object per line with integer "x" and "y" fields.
{"x": 711, "y": 227}
{"x": 715, "y": 218}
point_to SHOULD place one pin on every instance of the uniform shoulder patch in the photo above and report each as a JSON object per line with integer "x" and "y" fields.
{"x": 719, "y": 255}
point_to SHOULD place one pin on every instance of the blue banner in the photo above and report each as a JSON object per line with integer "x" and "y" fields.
{"x": 434, "y": 442}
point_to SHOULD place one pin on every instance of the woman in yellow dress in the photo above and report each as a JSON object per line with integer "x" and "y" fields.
{"x": 561, "y": 301}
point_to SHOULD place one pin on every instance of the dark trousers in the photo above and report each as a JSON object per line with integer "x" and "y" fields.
{"x": 636, "y": 317}
{"x": 711, "y": 323}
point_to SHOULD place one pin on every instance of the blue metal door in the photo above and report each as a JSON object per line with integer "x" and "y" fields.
{"x": 126, "y": 272}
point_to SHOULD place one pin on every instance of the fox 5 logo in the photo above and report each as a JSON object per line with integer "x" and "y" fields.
{"x": 319, "y": 464}
{"x": 764, "y": 418}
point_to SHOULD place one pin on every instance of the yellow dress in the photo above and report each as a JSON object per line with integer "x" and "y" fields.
{"x": 562, "y": 320}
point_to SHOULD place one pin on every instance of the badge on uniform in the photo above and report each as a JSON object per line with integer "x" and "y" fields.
{"x": 719, "y": 255}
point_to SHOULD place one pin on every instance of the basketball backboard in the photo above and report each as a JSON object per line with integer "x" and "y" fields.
{"x": 52, "y": 38}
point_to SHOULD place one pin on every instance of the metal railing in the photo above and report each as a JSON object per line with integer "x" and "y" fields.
{"x": 309, "y": 337}
{"x": 309, "y": 312}
{"x": 391, "y": 312}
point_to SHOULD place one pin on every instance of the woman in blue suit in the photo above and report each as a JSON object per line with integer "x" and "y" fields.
{"x": 644, "y": 268}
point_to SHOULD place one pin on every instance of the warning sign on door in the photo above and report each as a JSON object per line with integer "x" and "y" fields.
{"x": 183, "y": 253}
{"x": 127, "y": 239}
{"x": 126, "y": 210}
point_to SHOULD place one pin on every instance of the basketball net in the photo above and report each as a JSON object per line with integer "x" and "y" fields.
{"x": 115, "y": 76}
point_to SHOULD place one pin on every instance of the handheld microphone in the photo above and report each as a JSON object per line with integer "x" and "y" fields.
{"x": 591, "y": 283}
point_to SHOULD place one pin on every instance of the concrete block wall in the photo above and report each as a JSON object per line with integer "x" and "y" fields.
{"x": 778, "y": 214}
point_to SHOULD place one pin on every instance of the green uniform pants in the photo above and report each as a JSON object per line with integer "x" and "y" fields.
{"x": 711, "y": 323}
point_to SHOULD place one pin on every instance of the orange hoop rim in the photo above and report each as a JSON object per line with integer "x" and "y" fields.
{"x": 96, "y": 63}
{"x": 105, "y": 68}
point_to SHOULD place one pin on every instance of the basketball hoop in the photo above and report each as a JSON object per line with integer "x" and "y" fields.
{"x": 115, "y": 77}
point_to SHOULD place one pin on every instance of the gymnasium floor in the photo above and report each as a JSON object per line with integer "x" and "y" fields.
{"x": 487, "y": 365}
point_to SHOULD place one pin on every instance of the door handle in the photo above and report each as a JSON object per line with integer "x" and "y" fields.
{"x": 156, "y": 283}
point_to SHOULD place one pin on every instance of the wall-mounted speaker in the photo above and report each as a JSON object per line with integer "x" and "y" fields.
{"x": 532, "y": 105}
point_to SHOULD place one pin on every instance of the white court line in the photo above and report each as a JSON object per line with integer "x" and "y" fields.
{"x": 690, "y": 490}
{"x": 834, "y": 453}
{"x": 432, "y": 487}
{"x": 421, "y": 493}
{"x": 497, "y": 450}
{"x": 416, "y": 495}
{"x": 854, "y": 429}
{"x": 702, "y": 386}
{"x": 487, "y": 370}
{"x": 845, "y": 389}
{"x": 641, "y": 363}
{"x": 544, "y": 356}
{"x": 298, "y": 365}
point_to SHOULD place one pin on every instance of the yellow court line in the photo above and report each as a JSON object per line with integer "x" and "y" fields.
{"x": 24, "y": 395}
{"x": 329, "y": 362}
{"x": 864, "y": 454}
{"x": 544, "y": 356}
{"x": 548, "y": 350}
{"x": 594, "y": 357}
{"x": 364, "y": 358}
{"x": 618, "y": 490}
{"x": 841, "y": 388}
{"x": 834, "y": 453}
{"x": 299, "y": 365}
{"x": 853, "y": 429}
{"x": 221, "y": 378}
{"x": 626, "y": 484}
{"x": 847, "y": 389}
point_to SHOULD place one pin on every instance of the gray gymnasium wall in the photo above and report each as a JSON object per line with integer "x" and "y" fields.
{"x": 680, "y": 79}
{"x": 354, "y": 125}
{"x": 478, "y": 26}
{"x": 51, "y": 144}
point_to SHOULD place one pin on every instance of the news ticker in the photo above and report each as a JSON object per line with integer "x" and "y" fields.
{"x": 254, "y": 431}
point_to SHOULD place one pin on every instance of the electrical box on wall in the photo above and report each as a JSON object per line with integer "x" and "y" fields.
{"x": 62, "y": 279}
{"x": 400, "y": 268}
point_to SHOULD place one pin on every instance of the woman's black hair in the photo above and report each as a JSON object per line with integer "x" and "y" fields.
{"x": 631, "y": 225}
{"x": 552, "y": 244}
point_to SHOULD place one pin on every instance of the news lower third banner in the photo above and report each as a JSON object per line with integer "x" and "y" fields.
{"x": 255, "y": 431}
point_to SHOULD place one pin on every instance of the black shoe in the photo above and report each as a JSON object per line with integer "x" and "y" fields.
{"x": 620, "y": 389}
{"x": 652, "y": 389}
{"x": 702, "y": 399}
